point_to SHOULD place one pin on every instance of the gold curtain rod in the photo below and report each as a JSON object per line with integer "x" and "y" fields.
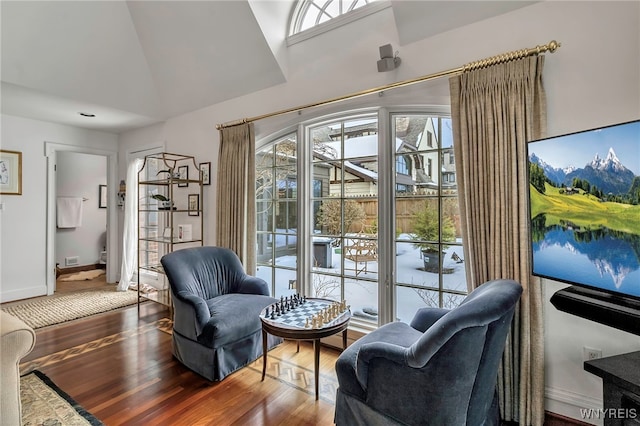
{"x": 483, "y": 63}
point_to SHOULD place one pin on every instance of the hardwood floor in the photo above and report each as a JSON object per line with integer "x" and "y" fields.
{"x": 119, "y": 366}
{"x": 72, "y": 286}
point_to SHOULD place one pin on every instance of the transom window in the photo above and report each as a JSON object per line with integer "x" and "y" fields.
{"x": 310, "y": 14}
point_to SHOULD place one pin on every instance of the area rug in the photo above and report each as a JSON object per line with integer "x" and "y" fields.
{"x": 49, "y": 310}
{"x": 83, "y": 275}
{"x": 43, "y": 403}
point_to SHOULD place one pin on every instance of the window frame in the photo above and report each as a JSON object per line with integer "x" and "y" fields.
{"x": 386, "y": 196}
{"x": 294, "y": 36}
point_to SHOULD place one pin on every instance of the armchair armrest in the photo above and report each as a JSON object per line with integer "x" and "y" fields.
{"x": 426, "y": 317}
{"x": 199, "y": 310}
{"x": 252, "y": 285}
{"x": 369, "y": 351}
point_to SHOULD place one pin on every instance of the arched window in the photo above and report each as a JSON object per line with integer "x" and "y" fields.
{"x": 311, "y": 13}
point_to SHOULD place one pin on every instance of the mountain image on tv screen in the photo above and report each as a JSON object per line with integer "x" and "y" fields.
{"x": 584, "y": 199}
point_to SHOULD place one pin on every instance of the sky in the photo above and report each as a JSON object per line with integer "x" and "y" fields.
{"x": 579, "y": 149}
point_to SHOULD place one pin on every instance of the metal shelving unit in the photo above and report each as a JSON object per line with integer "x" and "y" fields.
{"x": 166, "y": 226}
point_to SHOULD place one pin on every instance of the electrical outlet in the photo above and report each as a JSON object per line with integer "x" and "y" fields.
{"x": 590, "y": 354}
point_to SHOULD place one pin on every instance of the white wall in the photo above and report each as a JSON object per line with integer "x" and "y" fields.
{"x": 593, "y": 80}
{"x": 79, "y": 175}
{"x": 23, "y": 218}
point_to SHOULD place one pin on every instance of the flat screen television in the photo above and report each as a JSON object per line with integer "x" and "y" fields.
{"x": 584, "y": 200}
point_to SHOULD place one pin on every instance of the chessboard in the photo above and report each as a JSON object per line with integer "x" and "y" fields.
{"x": 299, "y": 316}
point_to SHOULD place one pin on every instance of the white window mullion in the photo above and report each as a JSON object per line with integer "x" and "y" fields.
{"x": 305, "y": 224}
{"x": 386, "y": 151}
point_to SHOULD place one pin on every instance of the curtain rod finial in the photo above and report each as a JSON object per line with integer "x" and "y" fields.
{"x": 553, "y": 46}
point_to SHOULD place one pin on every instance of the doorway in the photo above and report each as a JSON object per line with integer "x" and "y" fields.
{"x": 52, "y": 152}
{"x": 81, "y": 217}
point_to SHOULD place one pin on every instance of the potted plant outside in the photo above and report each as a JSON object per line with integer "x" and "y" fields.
{"x": 426, "y": 233}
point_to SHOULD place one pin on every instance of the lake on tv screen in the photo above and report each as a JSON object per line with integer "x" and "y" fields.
{"x": 602, "y": 258}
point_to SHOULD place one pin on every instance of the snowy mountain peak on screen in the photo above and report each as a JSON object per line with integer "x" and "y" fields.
{"x": 611, "y": 163}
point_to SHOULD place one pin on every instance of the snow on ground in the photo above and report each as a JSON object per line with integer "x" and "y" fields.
{"x": 361, "y": 292}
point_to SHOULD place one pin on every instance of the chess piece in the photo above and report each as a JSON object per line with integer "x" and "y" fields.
{"x": 306, "y": 323}
{"x": 266, "y": 314}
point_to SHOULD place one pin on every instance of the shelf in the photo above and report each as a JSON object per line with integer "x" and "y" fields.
{"x": 161, "y": 296}
{"x": 153, "y": 268}
{"x": 148, "y": 250}
{"x": 169, "y": 240}
{"x": 167, "y": 182}
{"x": 167, "y": 211}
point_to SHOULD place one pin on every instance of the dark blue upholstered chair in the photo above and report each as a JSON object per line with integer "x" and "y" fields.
{"x": 440, "y": 370}
{"x": 216, "y": 325}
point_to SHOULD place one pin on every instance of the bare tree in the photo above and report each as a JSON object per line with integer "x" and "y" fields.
{"x": 326, "y": 286}
{"x": 431, "y": 298}
{"x": 273, "y": 166}
{"x": 331, "y": 216}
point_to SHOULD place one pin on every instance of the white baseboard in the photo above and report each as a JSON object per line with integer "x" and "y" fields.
{"x": 572, "y": 405}
{"x": 22, "y": 293}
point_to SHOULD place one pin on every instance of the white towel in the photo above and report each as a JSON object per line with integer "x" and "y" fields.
{"x": 69, "y": 212}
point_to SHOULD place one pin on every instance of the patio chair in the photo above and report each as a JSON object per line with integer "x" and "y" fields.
{"x": 362, "y": 249}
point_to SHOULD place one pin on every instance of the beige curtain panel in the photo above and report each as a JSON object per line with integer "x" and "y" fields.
{"x": 495, "y": 112}
{"x": 236, "y": 212}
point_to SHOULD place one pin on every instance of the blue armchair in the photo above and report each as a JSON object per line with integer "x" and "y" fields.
{"x": 216, "y": 325}
{"x": 440, "y": 370}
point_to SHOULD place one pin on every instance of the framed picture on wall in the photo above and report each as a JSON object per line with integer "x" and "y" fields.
{"x": 183, "y": 173}
{"x": 10, "y": 172}
{"x": 194, "y": 205}
{"x": 102, "y": 196}
{"x": 205, "y": 169}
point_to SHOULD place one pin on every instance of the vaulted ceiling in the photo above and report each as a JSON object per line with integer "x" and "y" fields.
{"x": 134, "y": 63}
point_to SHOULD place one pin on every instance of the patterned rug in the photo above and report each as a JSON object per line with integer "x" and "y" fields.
{"x": 49, "y": 310}
{"x": 43, "y": 403}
